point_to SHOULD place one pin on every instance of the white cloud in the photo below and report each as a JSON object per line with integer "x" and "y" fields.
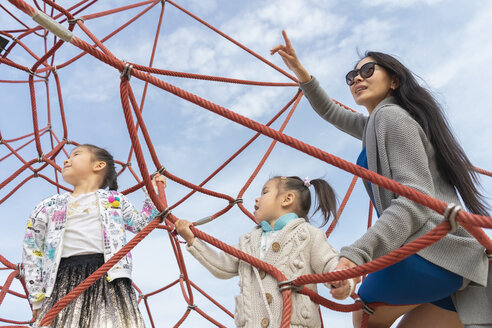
{"x": 400, "y": 3}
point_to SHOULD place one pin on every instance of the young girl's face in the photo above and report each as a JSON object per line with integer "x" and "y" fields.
{"x": 268, "y": 205}
{"x": 78, "y": 165}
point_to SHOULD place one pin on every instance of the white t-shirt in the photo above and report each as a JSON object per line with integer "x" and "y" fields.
{"x": 83, "y": 229}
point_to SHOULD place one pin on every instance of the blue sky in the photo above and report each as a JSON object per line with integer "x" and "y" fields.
{"x": 446, "y": 43}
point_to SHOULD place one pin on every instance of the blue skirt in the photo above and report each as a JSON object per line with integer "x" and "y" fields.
{"x": 413, "y": 280}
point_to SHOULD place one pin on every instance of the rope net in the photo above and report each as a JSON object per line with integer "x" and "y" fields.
{"x": 56, "y": 23}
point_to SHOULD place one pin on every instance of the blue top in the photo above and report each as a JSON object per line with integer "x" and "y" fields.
{"x": 280, "y": 223}
{"x": 362, "y": 161}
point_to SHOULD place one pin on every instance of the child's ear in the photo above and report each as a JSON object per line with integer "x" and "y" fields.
{"x": 99, "y": 166}
{"x": 288, "y": 199}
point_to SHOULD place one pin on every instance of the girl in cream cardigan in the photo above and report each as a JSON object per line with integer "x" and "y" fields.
{"x": 284, "y": 239}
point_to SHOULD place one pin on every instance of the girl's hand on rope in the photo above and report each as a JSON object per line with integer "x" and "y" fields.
{"x": 158, "y": 178}
{"x": 288, "y": 54}
{"x": 341, "y": 290}
{"x": 183, "y": 229}
{"x": 345, "y": 263}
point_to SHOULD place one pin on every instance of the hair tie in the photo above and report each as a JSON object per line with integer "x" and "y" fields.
{"x": 307, "y": 183}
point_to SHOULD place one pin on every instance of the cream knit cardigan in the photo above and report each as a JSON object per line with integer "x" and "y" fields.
{"x": 303, "y": 250}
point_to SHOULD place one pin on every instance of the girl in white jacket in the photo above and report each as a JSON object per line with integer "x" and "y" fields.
{"x": 284, "y": 239}
{"x": 69, "y": 236}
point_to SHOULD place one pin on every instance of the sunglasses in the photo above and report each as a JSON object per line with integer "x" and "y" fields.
{"x": 365, "y": 72}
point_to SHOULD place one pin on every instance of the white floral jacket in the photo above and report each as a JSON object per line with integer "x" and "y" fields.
{"x": 44, "y": 238}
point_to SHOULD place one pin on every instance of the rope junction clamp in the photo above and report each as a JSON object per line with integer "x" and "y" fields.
{"x": 40, "y": 158}
{"x": 1, "y": 140}
{"x": 192, "y": 307}
{"x": 19, "y": 269}
{"x": 164, "y": 214}
{"x": 160, "y": 171}
{"x": 127, "y": 71}
{"x": 366, "y": 308}
{"x": 205, "y": 220}
{"x": 237, "y": 201}
{"x": 67, "y": 140}
{"x": 450, "y": 215}
{"x": 74, "y": 20}
{"x": 288, "y": 284}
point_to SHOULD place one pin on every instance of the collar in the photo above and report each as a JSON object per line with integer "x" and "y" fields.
{"x": 390, "y": 100}
{"x": 280, "y": 223}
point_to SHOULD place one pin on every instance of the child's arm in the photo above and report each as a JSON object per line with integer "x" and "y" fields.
{"x": 220, "y": 264}
{"x": 324, "y": 258}
{"x": 32, "y": 255}
{"x": 135, "y": 221}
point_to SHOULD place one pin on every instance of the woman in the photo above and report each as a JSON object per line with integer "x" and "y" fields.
{"x": 406, "y": 138}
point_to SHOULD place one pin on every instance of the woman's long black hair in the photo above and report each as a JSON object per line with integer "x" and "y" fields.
{"x": 452, "y": 162}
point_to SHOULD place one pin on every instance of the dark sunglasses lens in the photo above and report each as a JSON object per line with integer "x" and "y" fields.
{"x": 367, "y": 70}
{"x": 349, "y": 78}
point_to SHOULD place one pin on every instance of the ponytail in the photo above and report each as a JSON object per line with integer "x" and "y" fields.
{"x": 326, "y": 200}
{"x": 110, "y": 178}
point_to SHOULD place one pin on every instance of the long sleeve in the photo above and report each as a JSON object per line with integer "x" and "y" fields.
{"x": 403, "y": 147}
{"x": 135, "y": 221}
{"x": 220, "y": 264}
{"x": 349, "y": 122}
{"x": 32, "y": 255}
{"x": 324, "y": 257}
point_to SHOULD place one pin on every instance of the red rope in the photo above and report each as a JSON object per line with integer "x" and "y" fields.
{"x": 131, "y": 109}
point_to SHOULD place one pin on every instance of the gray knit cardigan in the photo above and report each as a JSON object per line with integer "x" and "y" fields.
{"x": 398, "y": 148}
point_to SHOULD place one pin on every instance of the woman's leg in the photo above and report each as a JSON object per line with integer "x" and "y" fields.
{"x": 408, "y": 285}
{"x": 415, "y": 316}
{"x": 384, "y": 316}
{"x": 430, "y": 316}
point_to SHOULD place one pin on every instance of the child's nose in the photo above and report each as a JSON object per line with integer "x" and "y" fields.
{"x": 65, "y": 162}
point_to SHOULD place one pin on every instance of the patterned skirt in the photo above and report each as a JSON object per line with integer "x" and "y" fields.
{"x": 103, "y": 305}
